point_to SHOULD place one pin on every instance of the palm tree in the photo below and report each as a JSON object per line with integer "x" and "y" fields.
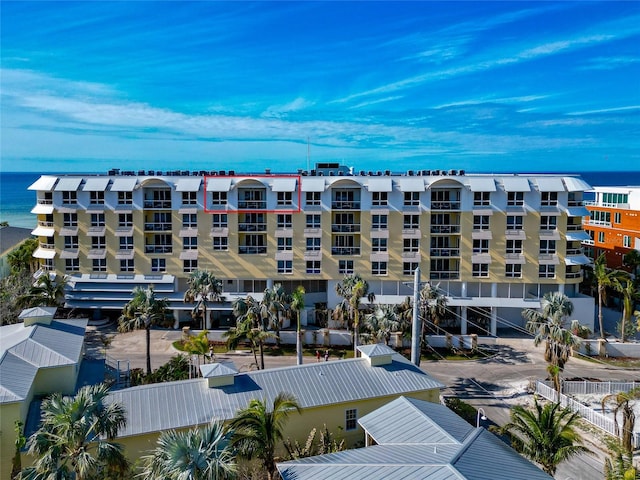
{"x": 382, "y": 322}
{"x": 629, "y": 297}
{"x": 619, "y": 466}
{"x": 433, "y": 307}
{"x": 142, "y": 312}
{"x": 297, "y": 304}
{"x": 352, "y": 289}
{"x": 203, "y": 287}
{"x": 46, "y": 292}
{"x": 75, "y": 438}
{"x": 198, "y": 345}
{"x": 202, "y": 453}
{"x": 251, "y": 318}
{"x": 604, "y": 278}
{"x": 545, "y": 434}
{"x": 21, "y": 259}
{"x": 275, "y": 301}
{"x": 548, "y": 326}
{"x": 632, "y": 261}
{"x": 623, "y": 403}
{"x": 257, "y": 431}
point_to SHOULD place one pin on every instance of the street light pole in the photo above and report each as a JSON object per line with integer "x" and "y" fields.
{"x": 478, "y": 417}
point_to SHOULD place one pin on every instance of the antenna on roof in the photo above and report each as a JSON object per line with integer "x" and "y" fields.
{"x": 308, "y": 154}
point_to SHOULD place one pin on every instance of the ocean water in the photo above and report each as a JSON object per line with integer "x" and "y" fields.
{"x": 16, "y": 201}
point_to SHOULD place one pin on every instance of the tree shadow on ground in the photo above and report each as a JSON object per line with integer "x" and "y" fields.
{"x": 505, "y": 354}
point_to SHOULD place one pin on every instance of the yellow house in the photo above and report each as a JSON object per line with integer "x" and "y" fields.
{"x": 334, "y": 393}
{"x": 37, "y": 357}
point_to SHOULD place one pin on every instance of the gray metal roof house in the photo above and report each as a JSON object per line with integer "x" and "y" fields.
{"x": 415, "y": 440}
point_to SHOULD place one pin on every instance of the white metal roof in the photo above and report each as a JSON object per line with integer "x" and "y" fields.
{"x": 481, "y": 184}
{"x": 127, "y": 184}
{"x": 68, "y": 184}
{"x": 577, "y": 236}
{"x": 284, "y": 184}
{"x": 576, "y": 184}
{"x": 188, "y": 184}
{"x": 313, "y": 184}
{"x": 549, "y": 184}
{"x": 44, "y": 184}
{"x": 411, "y": 184}
{"x": 222, "y": 369}
{"x": 516, "y": 184}
{"x": 96, "y": 184}
{"x": 577, "y": 260}
{"x": 42, "y": 209}
{"x": 218, "y": 184}
{"x": 47, "y": 253}
{"x": 379, "y": 184}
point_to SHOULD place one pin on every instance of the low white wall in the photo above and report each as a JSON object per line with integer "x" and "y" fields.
{"x": 610, "y": 348}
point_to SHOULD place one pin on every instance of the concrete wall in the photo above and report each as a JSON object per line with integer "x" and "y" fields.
{"x": 58, "y": 379}
{"x": 9, "y": 413}
{"x": 610, "y": 348}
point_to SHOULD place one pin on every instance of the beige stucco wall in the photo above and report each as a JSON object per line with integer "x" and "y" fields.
{"x": 9, "y": 413}
{"x": 57, "y": 379}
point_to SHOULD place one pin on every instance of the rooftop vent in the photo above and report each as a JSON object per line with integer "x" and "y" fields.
{"x": 219, "y": 374}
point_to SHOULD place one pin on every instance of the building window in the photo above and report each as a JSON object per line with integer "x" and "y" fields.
{"x": 220, "y": 220}
{"x": 409, "y": 268}
{"x": 158, "y": 264}
{"x": 312, "y": 198}
{"x": 125, "y": 220}
{"x": 313, "y": 244}
{"x": 220, "y": 243}
{"x": 480, "y": 270}
{"x": 351, "y": 419}
{"x": 190, "y": 220}
{"x": 190, "y": 243}
{"x": 72, "y": 264}
{"x": 313, "y": 221}
{"x": 548, "y": 223}
{"x": 219, "y": 198}
{"x": 313, "y": 266}
{"x": 411, "y": 222}
{"x": 515, "y": 199}
{"x": 600, "y": 237}
{"x": 284, "y": 198}
{"x": 284, "y": 221}
{"x": 71, "y": 241}
{"x": 547, "y": 247}
{"x": 285, "y": 243}
{"x": 616, "y": 217}
{"x": 598, "y": 217}
{"x": 97, "y": 220}
{"x": 189, "y": 266}
{"x": 98, "y": 243}
{"x": 411, "y": 245}
{"x": 514, "y": 222}
{"x": 285, "y": 266}
{"x": 189, "y": 198}
{"x": 99, "y": 264}
{"x": 96, "y": 198}
{"x": 513, "y": 270}
{"x": 481, "y": 222}
{"x": 70, "y": 220}
{"x": 125, "y": 198}
{"x": 613, "y": 199}
{"x": 379, "y": 222}
{"x": 69, "y": 198}
{"x": 411, "y": 199}
{"x": 379, "y": 199}
{"x": 378, "y": 268}
{"x": 626, "y": 241}
{"x": 379, "y": 244}
{"x": 126, "y": 243}
{"x": 126, "y": 265}
{"x": 514, "y": 246}
{"x": 549, "y": 199}
{"x": 481, "y": 199}
{"x": 345, "y": 267}
{"x": 480, "y": 246}
{"x": 547, "y": 271}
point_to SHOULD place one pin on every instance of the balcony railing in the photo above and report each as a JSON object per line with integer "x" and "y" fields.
{"x": 345, "y": 228}
{"x": 446, "y": 252}
{"x": 244, "y": 249}
{"x": 445, "y": 229}
{"x": 252, "y": 227}
{"x": 252, "y": 204}
{"x": 157, "y": 204}
{"x": 438, "y": 205}
{"x": 574, "y": 251}
{"x": 574, "y": 227}
{"x": 339, "y": 205}
{"x": 578, "y": 203}
{"x": 588, "y": 242}
{"x": 48, "y": 246}
{"x": 345, "y": 250}
{"x": 45, "y": 201}
{"x": 45, "y": 224}
{"x": 513, "y": 255}
{"x": 597, "y": 223}
{"x": 158, "y": 249}
{"x": 157, "y": 226}
{"x": 444, "y": 275}
{"x": 573, "y": 275}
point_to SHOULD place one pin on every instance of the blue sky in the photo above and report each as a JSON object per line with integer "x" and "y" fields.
{"x": 481, "y": 86}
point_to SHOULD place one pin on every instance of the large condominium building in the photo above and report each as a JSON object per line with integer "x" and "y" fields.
{"x": 494, "y": 244}
{"x": 613, "y": 224}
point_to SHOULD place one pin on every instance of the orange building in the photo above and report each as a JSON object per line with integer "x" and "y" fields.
{"x": 613, "y": 223}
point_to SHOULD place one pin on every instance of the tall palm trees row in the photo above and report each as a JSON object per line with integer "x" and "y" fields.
{"x": 76, "y": 441}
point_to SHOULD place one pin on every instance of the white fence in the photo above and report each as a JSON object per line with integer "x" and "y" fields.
{"x": 590, "y": 415}
{"x": 597, "y": 388}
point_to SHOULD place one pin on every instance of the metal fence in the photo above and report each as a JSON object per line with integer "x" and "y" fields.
{"x": 590, "y": 415}
{"x": 118, "y": 371}
{"x": 597, "y": 388}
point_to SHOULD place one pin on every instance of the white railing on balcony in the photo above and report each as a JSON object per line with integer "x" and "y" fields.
{"x": 445, "y": 229}
{"x": 451, "y": 205}
{"x": 252, "y": 227}
{"x": 345, "y": 228}
{"x": 157, "y": 226}
{"x": 345, "y": 250}
{"x": 446, "y": 252}
{"x": 597, "y": 223}
{"x": 444, "y": 275}
{"x": 158, "y": 249}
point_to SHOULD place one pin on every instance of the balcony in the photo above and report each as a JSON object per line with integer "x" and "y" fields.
{"x": 158, "y": 249}
{"x": 588, "y": 242}
{"x": 345, "y": 228}
{"x": 445, "y": 205}
{"x": 252, "y": 227}
{"x": 444, "y": 275}
{"x": 446, "y": 252}
{"x": 252, "y": 204}
{"x": 48, "y": 246}
{"x": 345, "y": 250}
{"x": 45, "y": 201}
{"x": 445, "y": 229}
{"x": 596, "y": 223}
{"x": 578, "y": 203}
{"x": 573, "y": 275}
{"x": 157, "y": 204}
{"x": 340, "y": 205}
{"x": 575, "y": 227}
{"x": 251, "y": 250}
{"x": 157, "y": 227}
{"x": 574, "y": 251}
{"x": 45, "y": 224}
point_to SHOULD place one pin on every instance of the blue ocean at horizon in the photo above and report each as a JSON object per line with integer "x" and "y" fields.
{"x": 16, "y": 201}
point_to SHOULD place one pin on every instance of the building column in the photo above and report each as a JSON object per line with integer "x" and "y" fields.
{"x": 561, "y": 287}
{"x": 269, "y": 282}
{"x": 176, "y": 318}
{"x": 463, "y": 320}
{"x": 494, "y": 290}
{"x": 463, "y": 292}
{"x": 494, "y": 321}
